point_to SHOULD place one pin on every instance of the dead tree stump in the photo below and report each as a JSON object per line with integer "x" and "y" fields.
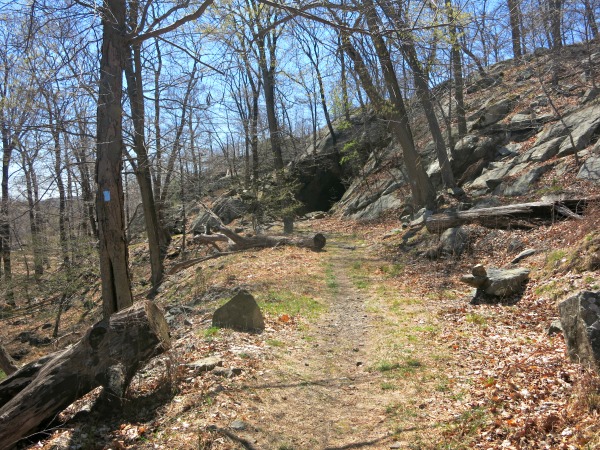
{"x": 108, "y": 355}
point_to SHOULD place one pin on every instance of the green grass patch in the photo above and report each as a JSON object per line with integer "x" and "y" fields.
{"x": 331, "y": 279}
{"x": 408, "y": 366}
{"x": 287, "y": 302}
{"x": 550, "y": 289}
{"x": 211, "y": 332}
{"x": 555, "y": 258}
{"x": 400, "y": 411}
{"x": 2, "y": 375}
{"x": 393, "y": 270}
{"x": 359, "y": 275}
{"x": 476, "y": 319}
{"x": 386, "y": 366}
{"x": 387, "y": 386}
{"x": 274, "y": 343}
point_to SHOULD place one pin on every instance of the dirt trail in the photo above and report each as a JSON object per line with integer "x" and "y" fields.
{"x": 321, "y": 393}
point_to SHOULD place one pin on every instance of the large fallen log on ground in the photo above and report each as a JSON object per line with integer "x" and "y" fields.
{"x": 316, "y": 242}
{"x": 108, "y": 355}
{"x": 237, "y": 242}
{"x": 522, "y": 215}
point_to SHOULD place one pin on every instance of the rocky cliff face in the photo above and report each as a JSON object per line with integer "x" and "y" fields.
{"x": 527, "y": 132}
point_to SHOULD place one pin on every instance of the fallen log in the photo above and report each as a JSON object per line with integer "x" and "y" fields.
{"x": 108, "y": 355}
{"x": 521, "y": 215}
{"x": 316, "y": 242}
{"x": 7, "y": 364}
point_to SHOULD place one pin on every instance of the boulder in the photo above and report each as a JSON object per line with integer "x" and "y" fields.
{"x": 555, "y": 327}
{"x": 581, "y": 135}
{"x": 374, "y": 209}
{"x": 205, "y": 364}
{"x": 505, "y": 282}
{"x": 528, "y": 121}
{"x": 226, "y": 208}
{"x": 473, "y": 148}
{"x": 454, "y": 241}
{"x": 583, "y": 120}
{"x": 522, "y": 185}
{"x": 492, "y": 112}
{"x": 541, "y": 152}
{"x": 240, "y": 313}
{"x": 492, "y": 176}
{"x": 590, "y": 170}
{"x": 589, "y": 95}
{"x": 580, "y": 319}
{"x": 496, "y": 284}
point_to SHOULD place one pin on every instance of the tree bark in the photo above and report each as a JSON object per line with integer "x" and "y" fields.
{"x": 133, "y": 73}
{"x": 555, "y": 11}
{"x": 34, "y": 220}
{"x": 514, "y": 12}
{"x": 457, "y": 70}
{"x": 407, "y": 47}
{"x": 522, "y": 215}
{"x": 114, "y": 267}
{"x": 591, "y": 18}
{"x": 7, "y": 147}
{"x": 108, "y": 355}
{"x": 7, "y": 364}
{"x": 422, "y": 190}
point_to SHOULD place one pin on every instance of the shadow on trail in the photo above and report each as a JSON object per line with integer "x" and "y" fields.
{"x": 376, "y": 441}
{"x": 323, "y": 382}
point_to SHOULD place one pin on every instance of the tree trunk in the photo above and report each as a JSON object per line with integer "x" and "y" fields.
{"x": 108, "y": 355}
{"x": 457, "y": 70}
{"x": 591, "y": 18}
{"x": 423, "y": 93}
{"x": 114, "y": 267}
{"x": 4, "y": 217}
{"x": 522, "y": 215}
{"x": 133, "y": 73}
{"x": 268, "y": 81}
{"x": 421, "y": 187}
{"x": 86, "y": 185}
{"x": 7, "y": 364}
{"x": 555, "y": 10}
{"x": 343, "y": 81}
{"x": 514, "y": 11}
{"x": 60, "y": 185}
{"x": 36, "y": 238}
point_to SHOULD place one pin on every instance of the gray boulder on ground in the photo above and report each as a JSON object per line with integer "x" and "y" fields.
{"x": 580, "y": 319}
{"x": 240, "y": 313}
{"x": 454, "y": 241}
{"x": 505, "y": 282}
{"x": 495, "y": 284}
{"x": 590, "y": 170}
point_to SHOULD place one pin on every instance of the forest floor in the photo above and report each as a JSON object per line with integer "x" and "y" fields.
{"x": 366, "y": 346}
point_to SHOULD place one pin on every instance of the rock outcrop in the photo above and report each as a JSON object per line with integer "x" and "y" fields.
{"x": 580, "y": 319}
